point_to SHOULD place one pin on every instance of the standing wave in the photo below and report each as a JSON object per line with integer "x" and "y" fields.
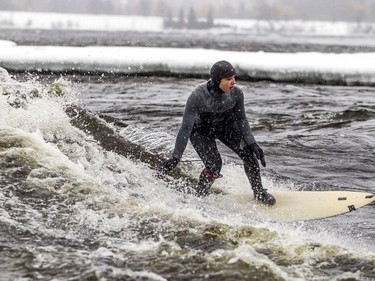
{"x": 72, "y": 208}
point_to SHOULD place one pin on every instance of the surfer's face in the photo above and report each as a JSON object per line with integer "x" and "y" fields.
{"x": 226, "y": 84}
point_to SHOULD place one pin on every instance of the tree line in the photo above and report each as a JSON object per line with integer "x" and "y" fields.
{"x": 191, "y": 22}
{"x": 324, "y": 10}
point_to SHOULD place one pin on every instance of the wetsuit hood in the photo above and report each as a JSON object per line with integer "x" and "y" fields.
{"x": 221, "y": 69}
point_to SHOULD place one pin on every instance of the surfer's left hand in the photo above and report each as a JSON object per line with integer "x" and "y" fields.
{"x": 255, "y": 148}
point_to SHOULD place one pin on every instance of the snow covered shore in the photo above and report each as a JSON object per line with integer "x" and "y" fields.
{"x": 347, "y": 69}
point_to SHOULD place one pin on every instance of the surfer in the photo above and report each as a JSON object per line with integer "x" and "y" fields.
{"x": 215, "y": 111}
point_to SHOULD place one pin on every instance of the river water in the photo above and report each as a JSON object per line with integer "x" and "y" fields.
{"x": 71, "y": 210}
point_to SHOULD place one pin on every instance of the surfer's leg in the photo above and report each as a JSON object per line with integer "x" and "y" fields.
{"x": 252, "y": 171}
{"x": 232, "y": 138}
{"x": 207, "y": 150}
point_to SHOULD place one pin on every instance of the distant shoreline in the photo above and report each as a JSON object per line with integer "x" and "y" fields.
{"x": 227, "y": 41}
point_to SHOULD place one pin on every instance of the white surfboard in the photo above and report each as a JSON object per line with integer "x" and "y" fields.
{"x": 310, "y": 205}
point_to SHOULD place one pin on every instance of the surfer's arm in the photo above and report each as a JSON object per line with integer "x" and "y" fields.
{"x": 244, "y": 126}
{"x": 186, "y": 128}
{"x": 241, "y": 120}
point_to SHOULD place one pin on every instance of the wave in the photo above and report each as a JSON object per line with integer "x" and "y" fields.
{"x": 76, "y": 202}
{"x": 358, "y": 113}
{"x": 315, "y": 121}
{"x": 336, "y": 120}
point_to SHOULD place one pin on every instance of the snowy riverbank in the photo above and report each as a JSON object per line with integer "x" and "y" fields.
{"x": 310, "y": 67}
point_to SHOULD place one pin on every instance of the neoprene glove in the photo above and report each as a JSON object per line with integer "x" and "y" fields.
{"x": 169, "y": 165}
{"x": 255, "y": 148}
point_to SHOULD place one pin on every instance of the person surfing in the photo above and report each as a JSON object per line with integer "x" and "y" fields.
{"x": 215, "y": 111}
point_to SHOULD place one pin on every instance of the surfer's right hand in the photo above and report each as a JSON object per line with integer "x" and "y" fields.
{"x": 168, "y": 165}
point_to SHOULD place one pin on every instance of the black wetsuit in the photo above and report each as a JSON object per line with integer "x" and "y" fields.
{"x": 211, "y": 115}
